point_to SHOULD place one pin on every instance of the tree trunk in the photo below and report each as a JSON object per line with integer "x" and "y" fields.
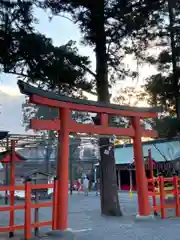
{"x": 108, "y": 186}
{"x": 174, "y": 59}
{"x": 108, "y": 190}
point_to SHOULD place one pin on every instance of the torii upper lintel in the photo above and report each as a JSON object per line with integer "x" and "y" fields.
{"x": 84, "y": 105}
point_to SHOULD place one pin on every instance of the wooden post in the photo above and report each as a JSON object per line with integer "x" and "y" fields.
{"x": 12, "y": 183}
{"x": 36, "y": 210}
{"x": 151, "y": 169}
{"x": 54, "y": 213}
{"x": 62, "y": 171}
{"x": 7, "y": 173}
{"x": 162, "y": 196}
{"x": 27, "y": 215}
{"x": 176, "y": 195}
{"x": 141, "y": 180}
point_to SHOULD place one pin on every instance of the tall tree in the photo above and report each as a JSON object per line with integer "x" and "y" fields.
{"x": 110, "y": 28}
{"x": 162, "y": 50}
{"x": 164, "y": 86}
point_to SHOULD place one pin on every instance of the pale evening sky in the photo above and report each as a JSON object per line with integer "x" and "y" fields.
{"x": 61, "y": 31}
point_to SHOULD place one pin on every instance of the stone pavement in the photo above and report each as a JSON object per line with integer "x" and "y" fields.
{"x": 87, "y": 223}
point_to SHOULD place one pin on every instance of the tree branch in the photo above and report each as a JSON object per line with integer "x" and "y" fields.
{"x": 88, "y": 70}
{"x": 91, "y": 92}
{"x": 160, "y": 152}
{"x": 87, "y": 91}
{"x": 18, "y": 74}
{"x": 62, "y": 16}
{"x": 26, "y": 76}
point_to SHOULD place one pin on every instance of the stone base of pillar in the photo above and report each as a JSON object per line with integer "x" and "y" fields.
{"x": 61, "y": 234}
{"x": 145, "y": 218}
{"x": 33, "y": 238}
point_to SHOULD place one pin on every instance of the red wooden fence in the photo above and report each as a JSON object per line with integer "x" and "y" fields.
{"x": 162, "y": 193}
{"x": 27, "y": 207}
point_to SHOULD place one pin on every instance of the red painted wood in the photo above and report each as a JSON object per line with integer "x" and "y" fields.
{"x": 7, "y": 159}
{"x": 104, "y": 119}
{"x": 176, "y": 188}
{"x": 62, "y": 171}
{"x": 12, "y": 182}
{"x": 162, "y": 197}
{"x": 141, "y": 180}
{"x": 89, "y": 128}
{"x": 11, "y": 228}
{"x": 75, "y": 127}
{"x": 35, "y": 99}
{"x": 54, "y": 209}
{"x": 27, "y": 212}
{"x": 151, "y": 168}
{"x": 149, "y": 133}
{"x": 39, "y": 124}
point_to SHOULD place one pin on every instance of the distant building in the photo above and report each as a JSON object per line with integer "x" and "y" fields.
{"x": 165, "y": 155}
{"x": 87, "y": 155}
{"x": 161, "y": 150}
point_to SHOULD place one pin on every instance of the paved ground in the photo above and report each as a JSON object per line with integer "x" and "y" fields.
{"x": 87, "y": 223}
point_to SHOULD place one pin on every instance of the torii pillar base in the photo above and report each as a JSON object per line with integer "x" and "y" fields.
{"x": 145, "y": 218}
{"x": 61, "y": 234}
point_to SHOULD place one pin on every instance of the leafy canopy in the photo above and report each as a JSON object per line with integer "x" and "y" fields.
{"x": 118, "y": 21}
{"x": 163, "y": 86}
{"x": 33, "y": 57}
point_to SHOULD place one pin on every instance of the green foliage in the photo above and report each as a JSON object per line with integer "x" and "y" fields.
{"x": 113, "y": 25}
{"x": 131, "y": 96}
{"x": 167, "y": 127}
{"x": 164, "y": 86}
{"x": 33, "y": 57}
{"x": 162, "y": 91}
{"x": 15, "y": 20}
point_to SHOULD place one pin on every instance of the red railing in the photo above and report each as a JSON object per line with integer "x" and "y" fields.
{"x": 28, "y": 206}
{"x": 161, "y": 192}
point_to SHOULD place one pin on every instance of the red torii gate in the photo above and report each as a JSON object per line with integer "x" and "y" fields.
{"x": 65, "y": 125}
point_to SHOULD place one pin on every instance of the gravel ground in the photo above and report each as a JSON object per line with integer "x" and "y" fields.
{"x": 87, "y": 223}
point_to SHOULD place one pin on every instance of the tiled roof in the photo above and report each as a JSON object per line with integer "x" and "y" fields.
{"x": 161, "y": 150}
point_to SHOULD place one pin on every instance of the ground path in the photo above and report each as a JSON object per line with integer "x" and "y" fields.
{"x": 87, "y": 223}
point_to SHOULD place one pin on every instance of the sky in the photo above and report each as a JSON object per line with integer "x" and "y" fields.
{"x": 61, "y": 31}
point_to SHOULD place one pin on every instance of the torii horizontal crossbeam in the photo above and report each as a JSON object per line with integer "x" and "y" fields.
{"x": 75, "y": 127}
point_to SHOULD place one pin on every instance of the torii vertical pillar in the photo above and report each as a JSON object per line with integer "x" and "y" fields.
{"x": 141, "y": 180}
{"x": 62, "y": 171}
